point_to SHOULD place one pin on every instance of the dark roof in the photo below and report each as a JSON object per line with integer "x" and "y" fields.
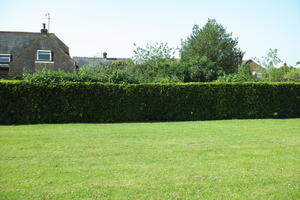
{"x": 81, "y": 61}
{"x": 249, "y": 61}
{"x": 11, "y": 42}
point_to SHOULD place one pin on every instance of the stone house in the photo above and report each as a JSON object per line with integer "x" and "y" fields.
{"x": 21, "y": 51}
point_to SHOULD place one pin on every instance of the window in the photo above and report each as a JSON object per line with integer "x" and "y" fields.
{"x": 258, "y": 75}
{"x": 44, "y": 55}
{"x": 5, "y": 58}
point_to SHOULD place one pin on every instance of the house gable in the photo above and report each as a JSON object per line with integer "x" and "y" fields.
{"x": 253, "y": 66}
{"x": 23, "y": 49}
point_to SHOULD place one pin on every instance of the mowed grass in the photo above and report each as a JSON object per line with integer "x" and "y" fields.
{"x": 234, "y": 159}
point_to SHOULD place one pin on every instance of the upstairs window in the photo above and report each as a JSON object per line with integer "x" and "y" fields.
{"x": 5, "y": 58}
{"x": 44, "y": 55}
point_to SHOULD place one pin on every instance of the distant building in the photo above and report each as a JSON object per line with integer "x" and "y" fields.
{"x": 104, "y": 61}
{"x": 21, "y": 51}
{"x": 256, "y": 69}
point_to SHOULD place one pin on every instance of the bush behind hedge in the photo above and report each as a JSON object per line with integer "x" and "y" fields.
{"x": 25, "y": 102}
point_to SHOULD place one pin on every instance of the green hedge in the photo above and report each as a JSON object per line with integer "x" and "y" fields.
{"x": 24, "y": 102}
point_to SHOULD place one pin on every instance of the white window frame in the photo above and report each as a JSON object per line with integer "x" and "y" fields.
{"x": 47, "y": 51}
{"x": 9, "y": 57}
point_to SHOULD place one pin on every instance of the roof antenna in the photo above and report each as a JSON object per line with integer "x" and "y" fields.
{"x": 48, "y": 17}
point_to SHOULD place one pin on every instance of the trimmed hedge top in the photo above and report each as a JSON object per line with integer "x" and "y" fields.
{"x": 25, "y": 102}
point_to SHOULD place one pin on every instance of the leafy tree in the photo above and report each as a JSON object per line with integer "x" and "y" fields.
{"x": 155, "y": 63}
{"x": 269, "y": 61}
{"x": 199, "y": 69}
{"x": 121, "y": 64}
{"x": 213, "y": 42}
{"x": 162, "y": 71}
{"x": 277, "y": 74}
{"x": 152, "y": 54}
{"x": 293, "y": 75}
{"x": 298, "y": 63}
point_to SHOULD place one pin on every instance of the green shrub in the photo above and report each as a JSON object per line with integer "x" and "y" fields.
{"x": 92, "y": 73}
{"x": 64, "y": 102}
{"x": 199, "y": 69}
{"x": 161, "y": 71}
{"x": 277, "y": 74}
{"x": 243, "y": 75}
{"x": 293, "y": 75}
{"x": 84, "y": 74}
{"x": 121, "y": 76}
{"x": 121, "y": 64}
{"x": 46, "y": 76}
{"x": 157, "y": 72}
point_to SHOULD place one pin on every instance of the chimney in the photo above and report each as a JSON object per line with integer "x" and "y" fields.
{"x": 44, "y": 31}
{"x": 104, "y": 55}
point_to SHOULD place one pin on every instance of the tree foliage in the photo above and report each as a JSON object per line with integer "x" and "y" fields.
{"x": 215, "y": 43}
{"x": 278, "y": 74}
{"x": 269, "y": 61}
{"x": 242, "y": 75}
{"x": 151, "y": 54}
{"x": 293, "y": 75}
{"x": 199, "y": 69}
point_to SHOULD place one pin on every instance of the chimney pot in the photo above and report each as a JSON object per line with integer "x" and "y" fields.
{"x": 104, "y": 55}
{"x": 44, "y": 31}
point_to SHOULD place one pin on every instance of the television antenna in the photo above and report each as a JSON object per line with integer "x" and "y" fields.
{"x": 48, "y": 17}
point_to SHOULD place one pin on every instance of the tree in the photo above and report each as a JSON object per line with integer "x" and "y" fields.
{"x": 198, "y": 70}
{"x": 152, "y": 53}
{"x": 277, "y": 74}
{"x": 242, "y": 75}
{"x": 298, "y": 63}
{"x": 269, "y": 61}
{"x": 213, "y": 42}
{"x": 293, "y": 75}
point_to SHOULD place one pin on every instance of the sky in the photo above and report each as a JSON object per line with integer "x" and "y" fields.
{"x": 91, "y": 27}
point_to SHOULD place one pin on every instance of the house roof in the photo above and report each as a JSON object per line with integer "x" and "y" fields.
{"x": 253, "y": 65}
{"x": 81, "y": 61}
{"x": 12, "y": 42}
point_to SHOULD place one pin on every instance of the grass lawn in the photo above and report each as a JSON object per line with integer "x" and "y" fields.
{"x": 234, "y": 159}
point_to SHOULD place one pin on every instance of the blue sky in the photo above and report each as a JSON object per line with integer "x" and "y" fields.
{"x": 91, "y": 27}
